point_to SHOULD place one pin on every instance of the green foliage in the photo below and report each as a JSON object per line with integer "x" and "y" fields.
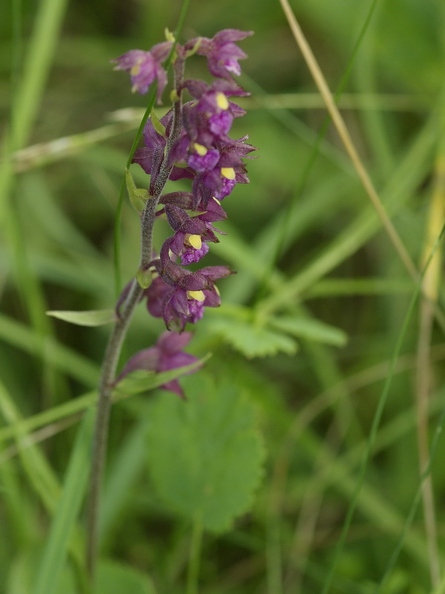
{"x": 137, "y": 196}
{"x": 301, "y": 346}
{"x": 66, "y": 513}
{"x": 254, "y": 339}
{"x": 205, "y": 455}
{"x": 112, "y": 578}
{"x": 254, "y": 336}
{"x": 141, "y": 381}
{"x": 86, "y": 318}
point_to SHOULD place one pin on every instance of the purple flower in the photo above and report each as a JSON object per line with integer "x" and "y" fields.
{"x": 222, "y": 52}
{"x": 190, "y": 141}
{"x": 202, "y": 158}
{"x": 176, "y": 205}
{"x": 229, "y": 171}
{"x": 206, "y": 123}
{"x": 145, "y": 67}
{"x": 180, "y": 296}
{"x": 167, "y": 354}
{"x": 213, "y": 102}
{"x": 191, "y": 235}
{"x": 150, "y": 156}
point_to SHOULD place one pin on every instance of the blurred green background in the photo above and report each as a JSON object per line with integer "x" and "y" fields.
{"x": 306, "y": 245}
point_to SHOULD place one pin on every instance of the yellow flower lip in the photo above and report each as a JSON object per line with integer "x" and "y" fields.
{"x": 200, "y": 149}
{"x": 194, "y": 240}
{"x": 196, "y": 295}
{"x": 228, "y": 172}
{"x": 136, "y": 68}
{"x": 221, "y": 101}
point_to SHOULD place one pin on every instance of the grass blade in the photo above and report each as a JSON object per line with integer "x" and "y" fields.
{"x": 67, "y": 510}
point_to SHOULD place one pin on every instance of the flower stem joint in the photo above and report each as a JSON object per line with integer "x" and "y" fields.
{"x": 191, "y": 141}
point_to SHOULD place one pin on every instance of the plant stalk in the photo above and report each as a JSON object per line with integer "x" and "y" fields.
{"x": 114, "y": 346}
{"x": 109, "y": 366}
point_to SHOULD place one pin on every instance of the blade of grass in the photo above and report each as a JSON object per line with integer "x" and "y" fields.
{"x": 40, "y": 52}
{"x": 28, "y": 93}
{"x": 373, "y": 123}
{"x": 412, "y": 512}
{"x": 67, "y": 510}
{"x": 341, "y": 476}
{"x": 52, "y": 415}
{"x": 304, "y": 176}
{"x": 123, "y": 473}
{"x": 54, "y": 353}
{"x": 360, "y": 230}
{"x": 375, "y": 424}
{"x": 80, "y": 404}
{"x": 411, "y": 170}
{"x": 345, "y": 137}
{"x": 431, "y": 283}
{"x": 37, "y": 469}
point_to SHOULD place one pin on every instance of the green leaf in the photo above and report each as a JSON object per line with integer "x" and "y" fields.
{"x": 95, "y": 317}
{"x": 144, "y": 278}
{"x": 111, "y": 577}
{"x": 310, "y": 329}
{"x": 67, "y": 510}
{"x": 138, "y": 196}
{"x": 206, "y": 454}
{"x": 136, "y": 382}
{"x": 114, "y": 578}
{"x": 254, "y": 340}
{"x": 140, "y": 380}
{"x": 157, "y": 124}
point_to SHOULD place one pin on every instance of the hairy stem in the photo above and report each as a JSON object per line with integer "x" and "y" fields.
{"x": 114, "y": 347}
{"x": 110, "y": 362}
{"x": 157, "y": 185}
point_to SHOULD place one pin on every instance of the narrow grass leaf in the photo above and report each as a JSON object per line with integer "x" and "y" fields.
{"x": 122, "y": 475}
{"x": 67, "y": 510}
{"x": 140, "y": 381}
{"x": 54, "y": 353}
{"x": 375, "y": 425}
{"x": 97, "y": 317}
{"x": 35, "y": 465}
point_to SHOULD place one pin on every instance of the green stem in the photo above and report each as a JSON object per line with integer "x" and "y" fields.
{"x": 111, "y": 359}
{"x": 195, "y": 557}
{"x": 114, "y": 347}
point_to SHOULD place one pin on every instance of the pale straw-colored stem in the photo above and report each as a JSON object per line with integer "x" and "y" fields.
{"x": 346, "y": 139}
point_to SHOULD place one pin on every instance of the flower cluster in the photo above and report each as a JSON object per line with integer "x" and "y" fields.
{"x": 191, "y": 141}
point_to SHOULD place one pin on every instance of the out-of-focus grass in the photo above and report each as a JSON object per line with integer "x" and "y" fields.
{"x": 302, "y": 237}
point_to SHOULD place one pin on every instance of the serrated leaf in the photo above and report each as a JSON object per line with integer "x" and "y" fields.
{"x": 254, "y": 340}
{"x": 95, "y": 317}
{"x": 310, "y": 329}
{"x": 205, "y": 454}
